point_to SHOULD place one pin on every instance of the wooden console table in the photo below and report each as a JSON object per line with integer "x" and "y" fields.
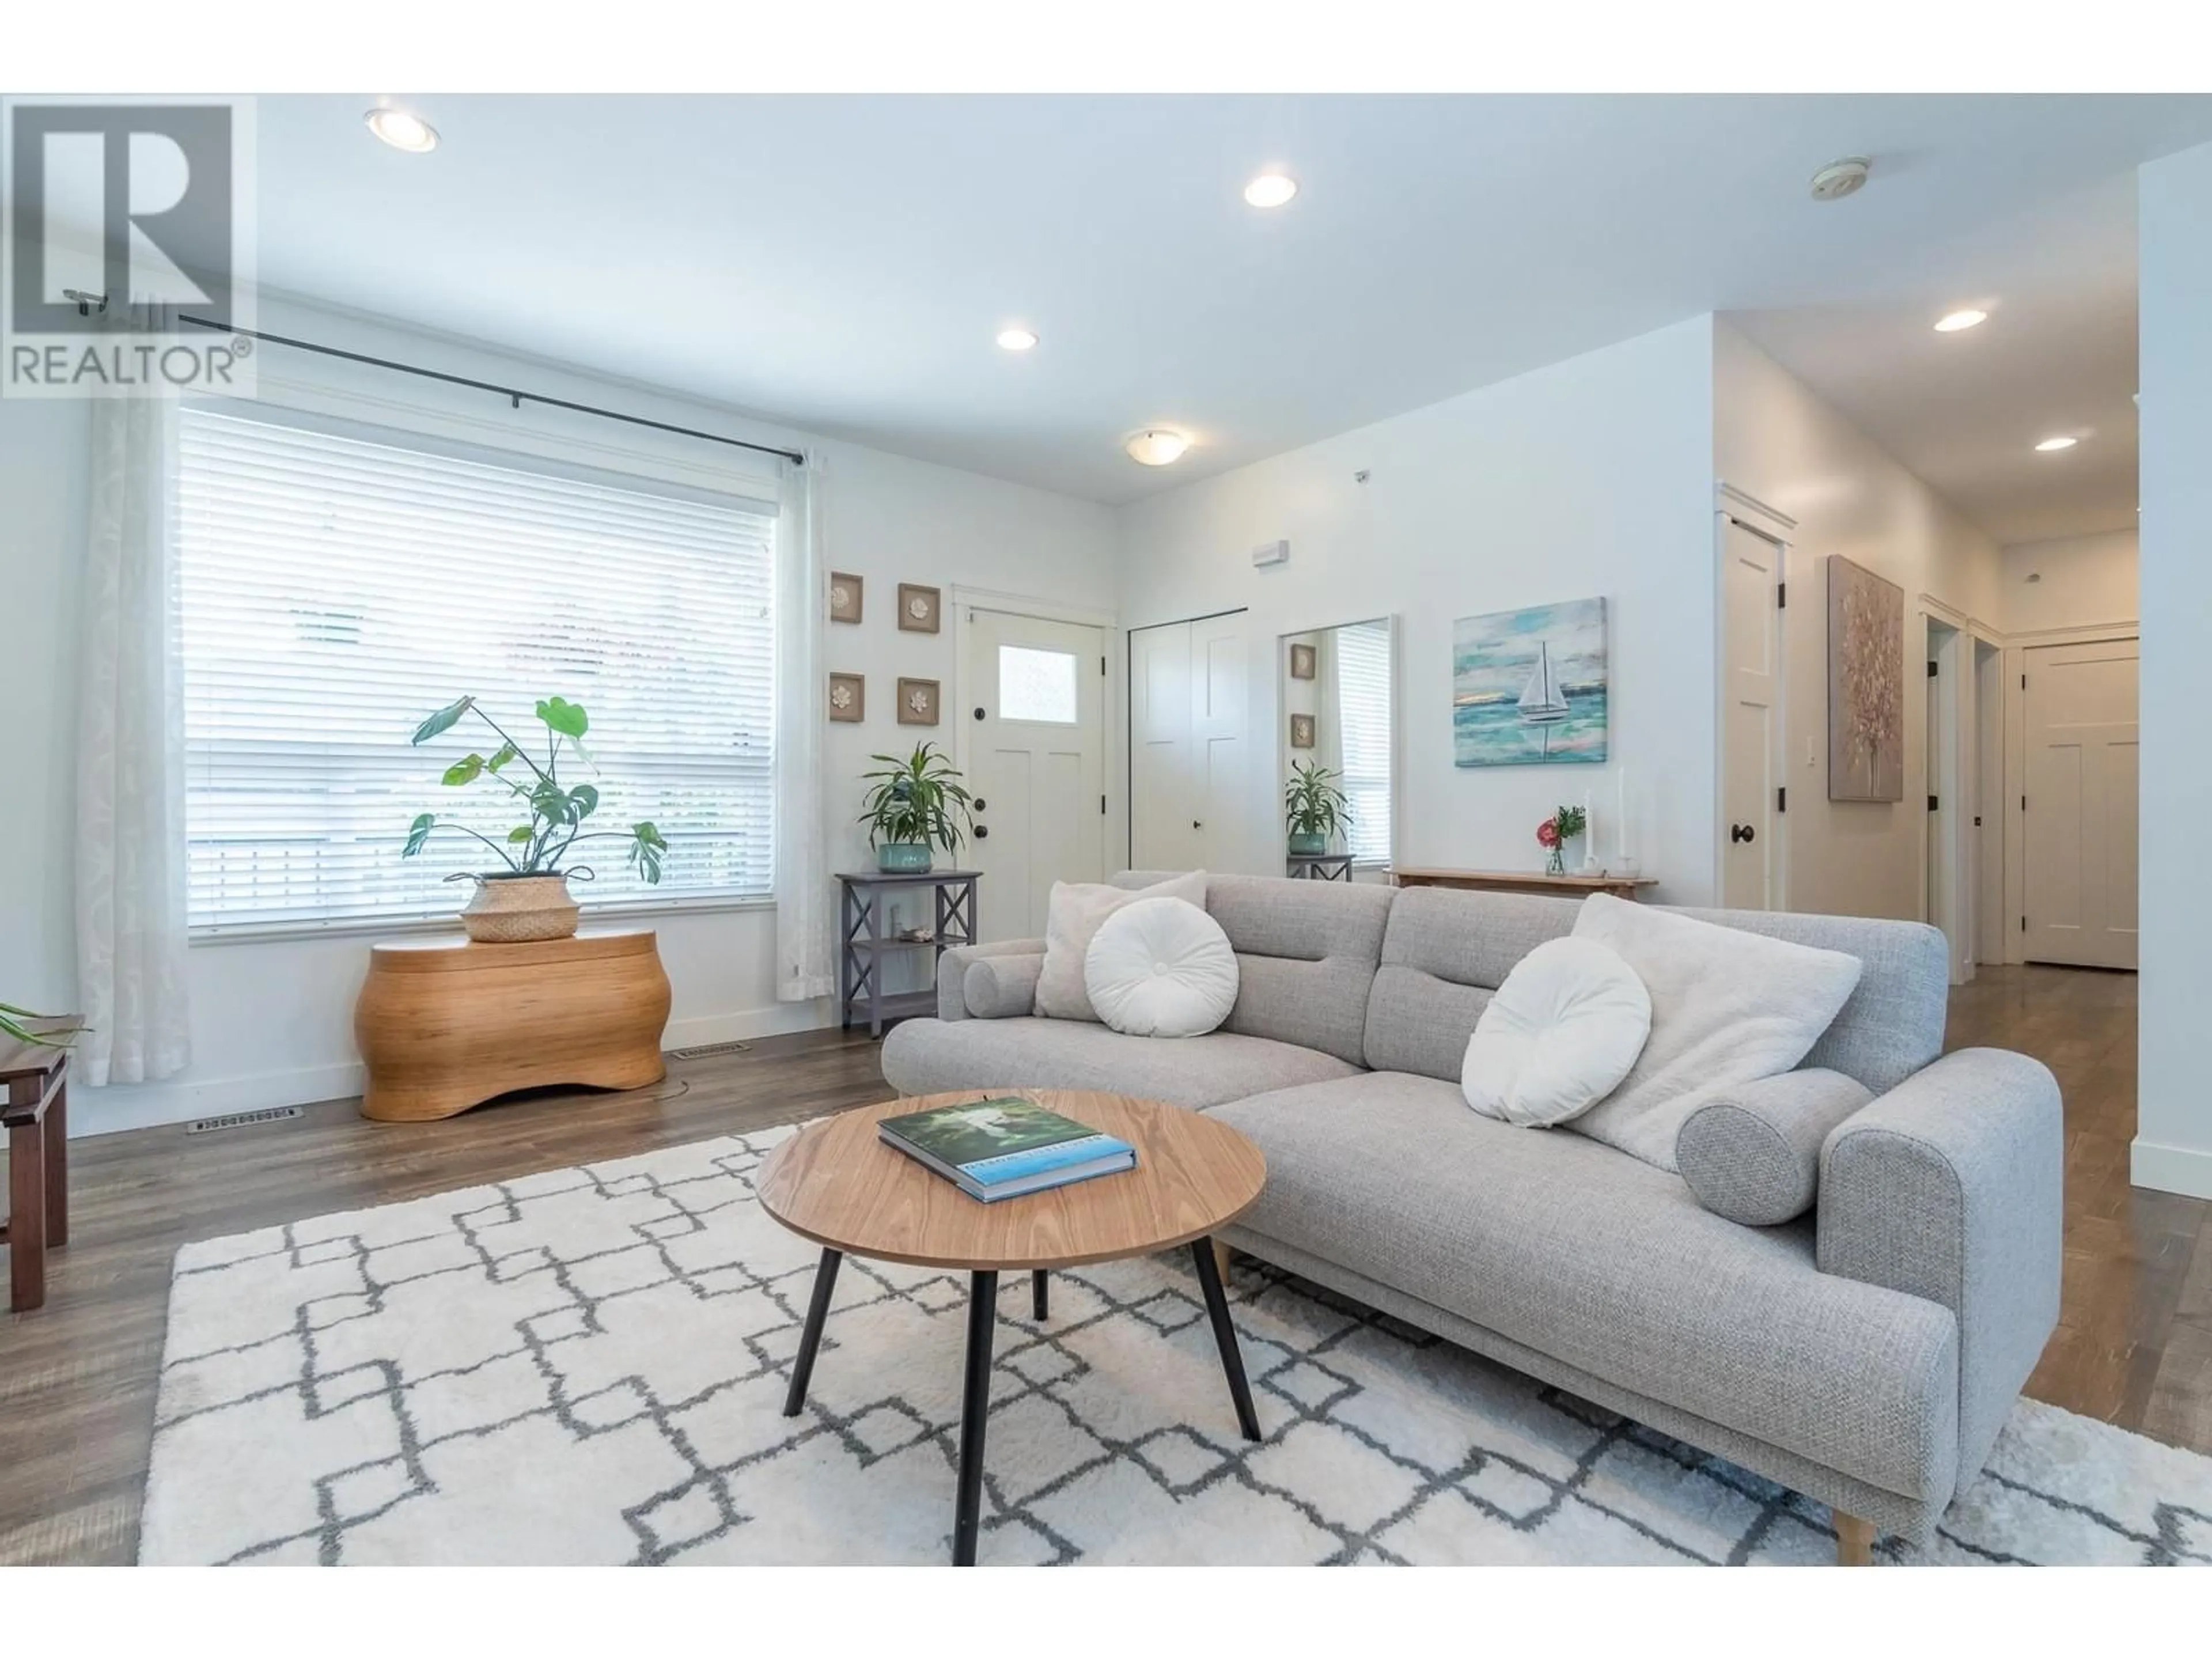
{"x": 444, "y": 1024}
{"x": 1525, "y": 881}
{"x": 34, "y": 1107}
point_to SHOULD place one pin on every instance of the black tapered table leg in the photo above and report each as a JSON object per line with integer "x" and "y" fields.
{"x": 810, "y": 1338}
{"x": 1040, "y": 1294}
{"x": 974, "y": 1406}
{"x": 1224, "y": 1336}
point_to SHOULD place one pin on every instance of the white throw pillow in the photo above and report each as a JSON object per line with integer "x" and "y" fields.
{"x": 1727, "y": 1007}
{"x": 1558, "y": 1036}
{"x": 1161, "y": 968}
{"x": 1072, "y": 916}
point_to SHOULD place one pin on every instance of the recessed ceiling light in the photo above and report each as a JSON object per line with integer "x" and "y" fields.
{"x": 402, "y": 131}
{"x": 1958, "y": 319}
{"x": 1156, "y": 446}
{"x": 1271, "y": 190}
{"x": 2058, "y": 443}
{"x": 1015, "y": 339}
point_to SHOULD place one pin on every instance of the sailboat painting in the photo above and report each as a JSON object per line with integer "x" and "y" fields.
{"x": 1529, "y": 687}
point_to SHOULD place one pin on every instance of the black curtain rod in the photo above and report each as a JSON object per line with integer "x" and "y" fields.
{"x": 517, "y": 396}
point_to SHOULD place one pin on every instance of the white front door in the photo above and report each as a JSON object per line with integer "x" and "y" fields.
{"x": 1751, "y": 718}
{"x": 1034, "y": 693}
{"x": 2083, "y": 753}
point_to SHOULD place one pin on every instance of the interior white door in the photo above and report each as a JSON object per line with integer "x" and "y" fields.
{"x": 1187, "y": 748}
{"x": 2083, "y": 753}
{"x": 1036, "y": 696}
{"x": 1988, "y": 803}
{"x": 1751, "y": 718}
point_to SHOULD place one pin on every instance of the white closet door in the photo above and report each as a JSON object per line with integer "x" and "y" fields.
{"x": 1187, "y": 745}
{"x": 1751, "y": 719}
{"x": 2082, "y": 752}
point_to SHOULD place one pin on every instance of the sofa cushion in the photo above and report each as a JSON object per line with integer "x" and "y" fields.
{"x": 1727, "y": 1007}
{"x": 1161, "y": 968}
{"x": 1306, "y": 952}
{"x": 1752, "y": 1153}
{"x": 1558, "y": 1035}
{"x": 1073, "y": 914}
{"x": 1570, "y": 1248}
{"x": 1001, "y": 986}
{"x": 931, "y": 1056}
{"x": 1443, "y": 955}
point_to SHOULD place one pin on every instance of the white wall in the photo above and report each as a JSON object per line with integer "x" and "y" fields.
{"x": 2082, "y": 581}
{"x": 1774, "y": 438}
{"x": 2173, "y": 1133}
{"x": 1589, "y": 477}
{"x": 272, "y": 1020}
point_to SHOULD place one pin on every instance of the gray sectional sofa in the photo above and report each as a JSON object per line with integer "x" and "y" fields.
{"x": 1865, "y": 1355}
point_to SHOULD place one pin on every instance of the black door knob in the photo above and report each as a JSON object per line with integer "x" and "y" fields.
{"x": 1195, "y": 825}
{"x": 980, "y": 802}
{"x": 1743, "y": 832}
{"x": 978, "y": 714}
{"x": 982, "y": 832}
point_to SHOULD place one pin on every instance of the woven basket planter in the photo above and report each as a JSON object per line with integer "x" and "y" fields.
{"x": 516, "y": 910}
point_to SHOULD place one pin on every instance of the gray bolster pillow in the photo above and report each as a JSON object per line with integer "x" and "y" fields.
{"x": 1002, "y": 986}
{"x": 1752, "y": 1153}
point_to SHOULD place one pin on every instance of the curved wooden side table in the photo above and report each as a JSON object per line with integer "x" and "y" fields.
{"x": 444, "y": 1025}
{"x": 836, "y": 1183}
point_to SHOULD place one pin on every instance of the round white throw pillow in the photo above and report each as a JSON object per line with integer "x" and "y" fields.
{"x": 1161, "y": 968}
{"x": 1559, "y": 1036}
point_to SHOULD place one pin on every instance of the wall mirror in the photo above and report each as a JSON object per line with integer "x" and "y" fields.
{"x": 1338, "y": 746}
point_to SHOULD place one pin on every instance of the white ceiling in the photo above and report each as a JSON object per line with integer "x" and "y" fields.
{"x": 842, "y": 263}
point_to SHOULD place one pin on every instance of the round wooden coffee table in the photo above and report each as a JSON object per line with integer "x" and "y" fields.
{"x": 836, "y": 1183}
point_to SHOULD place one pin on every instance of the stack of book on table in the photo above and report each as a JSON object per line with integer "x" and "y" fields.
{"x": 995, "y": 1149}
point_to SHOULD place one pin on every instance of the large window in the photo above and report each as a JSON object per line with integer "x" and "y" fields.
{"x": 338, "y": 584}
{"x": 1363, "y": 689}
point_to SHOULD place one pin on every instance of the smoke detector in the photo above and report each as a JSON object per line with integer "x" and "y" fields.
{"x": 1840, "y": 178}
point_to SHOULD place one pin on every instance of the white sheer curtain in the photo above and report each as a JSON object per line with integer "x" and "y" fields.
{"x": 802, "y": 869}
{"x": 131, "y": 927}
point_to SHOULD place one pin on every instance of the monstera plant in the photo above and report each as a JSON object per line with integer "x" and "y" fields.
{"x": 527, "y": 897}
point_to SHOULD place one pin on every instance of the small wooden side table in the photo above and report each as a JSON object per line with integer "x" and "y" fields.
{"x": 444, "y": 1024}
{"x": 1525, "y": 881}
{"x": 864, "y": 942}
{"x": 34, "y": 1107}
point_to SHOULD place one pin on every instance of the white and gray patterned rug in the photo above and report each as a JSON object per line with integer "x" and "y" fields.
{"x": 589, "y": 1366}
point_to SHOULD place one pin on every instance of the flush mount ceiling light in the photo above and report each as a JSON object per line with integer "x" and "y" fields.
{"x": 402, "y": 131}
{"x": 1271, "y": 190}
{"x": 1017, "y": 339}
{"x": 1958, "y": 319}
{"x": 2050, "y": 444}
{"x": 1840, "y": 178}
{"x": 1156, "y": 446}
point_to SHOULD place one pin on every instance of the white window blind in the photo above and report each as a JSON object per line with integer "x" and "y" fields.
{"x": 337, "y": 587}
{"x": 1363, "y": 689}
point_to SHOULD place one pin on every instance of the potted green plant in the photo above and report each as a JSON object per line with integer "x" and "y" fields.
{"x": 1313, "y": 808}
{"x": 528, "y": 898}
{"x": 912, "y": 804}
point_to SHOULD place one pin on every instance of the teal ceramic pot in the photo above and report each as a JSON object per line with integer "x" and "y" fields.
{"x": 903, "y": 858}
{"x": 1309, "y": 840}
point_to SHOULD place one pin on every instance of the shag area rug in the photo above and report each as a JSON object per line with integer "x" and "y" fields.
{"x": 589, "y": 1366}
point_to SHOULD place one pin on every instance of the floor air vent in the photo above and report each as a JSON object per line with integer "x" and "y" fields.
{"x": 709, "y": 1050}
{"x": 240, "y": 1120}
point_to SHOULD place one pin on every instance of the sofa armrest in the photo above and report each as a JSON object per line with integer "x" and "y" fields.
{"x": 1949, "y": 1188}
{"x": 952, "y": 974}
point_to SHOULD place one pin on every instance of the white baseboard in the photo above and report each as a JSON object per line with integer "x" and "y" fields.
{"x": 2183, "y": 1170}
{"x": 148, "y": 1105}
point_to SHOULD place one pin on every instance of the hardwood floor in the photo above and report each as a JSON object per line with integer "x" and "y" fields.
{"x": 77, "y": 1377}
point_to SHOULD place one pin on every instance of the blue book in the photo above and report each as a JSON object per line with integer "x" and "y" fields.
{"x": 1004, "y": 1148}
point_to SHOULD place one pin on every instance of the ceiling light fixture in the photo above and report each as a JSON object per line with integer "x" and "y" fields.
{"x": 1015, "y": 339}
{"x": 2050, "y": 444}
{"x": 1271, "y": 190}
{"x": 402, "y": 131}
{"x": 1156, "y": 446}
{"x": 1958, "y": 319}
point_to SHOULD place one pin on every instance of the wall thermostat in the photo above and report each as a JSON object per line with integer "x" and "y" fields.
{"x": 1272, "y": 553}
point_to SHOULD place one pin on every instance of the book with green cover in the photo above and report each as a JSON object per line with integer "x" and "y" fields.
{"x": 995, "y": 1149}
